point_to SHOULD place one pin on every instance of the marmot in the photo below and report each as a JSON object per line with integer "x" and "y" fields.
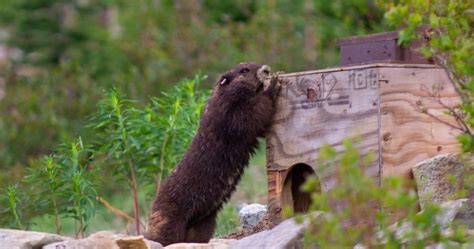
{"x": 238, "y": 112}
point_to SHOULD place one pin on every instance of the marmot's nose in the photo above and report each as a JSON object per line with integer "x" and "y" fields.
{"x": 263, "y": 72}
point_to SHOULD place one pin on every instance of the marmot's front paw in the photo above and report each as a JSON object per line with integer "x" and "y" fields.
{"x": 275, "y": 85}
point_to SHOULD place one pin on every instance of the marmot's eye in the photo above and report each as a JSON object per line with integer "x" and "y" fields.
{"x": 245, "y": 70}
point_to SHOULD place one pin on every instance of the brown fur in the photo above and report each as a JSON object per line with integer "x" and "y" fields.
{"x": 238, "y": 112}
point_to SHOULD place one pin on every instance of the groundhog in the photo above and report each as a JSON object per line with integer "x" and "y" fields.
{"x": 238, "y": 112}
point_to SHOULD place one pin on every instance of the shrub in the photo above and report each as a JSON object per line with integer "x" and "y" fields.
{"x": 358, "y": 211}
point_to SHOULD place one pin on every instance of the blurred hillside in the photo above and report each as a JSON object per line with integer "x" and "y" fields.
{"x": 58, "y": 55}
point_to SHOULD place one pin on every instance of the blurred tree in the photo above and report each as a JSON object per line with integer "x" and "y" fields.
{"x": 46, "y": 30}
{"x": 81, "y": 47}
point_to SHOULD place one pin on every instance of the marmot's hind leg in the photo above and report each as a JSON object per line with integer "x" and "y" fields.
{"x": 202, "y": 231}
{"x": 164, "y": 230}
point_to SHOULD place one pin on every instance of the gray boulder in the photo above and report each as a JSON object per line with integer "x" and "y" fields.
{"x": 17, "y": 239}
{"x": 252, "y": 214}
{"x": 450, "y": 210}
{"x": 287, "y": 235}
{"x": 404, "y": 230}
{"x": 440, "y": 178}
{"x": 466, "y": 215}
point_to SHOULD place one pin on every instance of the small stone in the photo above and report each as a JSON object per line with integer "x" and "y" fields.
{"x": 18, "y": 239}
{"x": 99, "y": 240}
{"x": 252, "y": 214}
{"x": 288, "y": 234}
{"x": 466, "y": 215}
{"x": 221, "y": 241}
{"x": 449, "y": 211}
{"x": 404, "y": 231}
{"x": 213, "y": 244}
{"x": 137, "y": 242}
{"x": 197, "y": 246}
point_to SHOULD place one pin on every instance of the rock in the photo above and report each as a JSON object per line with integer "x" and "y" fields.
{"x": 466, "y": 215}
{"x": 213, "y": 244}
{"x": 17, "y": 239}
{"x": 252, "y": 214}
{"x": 403, "y": 230}
{"x": 451, "y": 244}
{"x": 106, "y": 240}
{"x": 288, "y": 234}
{"x": 449, "y": 211}
{"x": 99, "y": 240}
{"x": 221, "y": 241}
{"x": 438, "y": 179}
{"x": 137, "y": 242}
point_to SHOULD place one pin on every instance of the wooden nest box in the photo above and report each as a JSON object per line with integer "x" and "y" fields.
{"x": 395, "y": 109}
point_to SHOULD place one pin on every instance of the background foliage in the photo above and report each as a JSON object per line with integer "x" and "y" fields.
{"x": 64, "y": 53}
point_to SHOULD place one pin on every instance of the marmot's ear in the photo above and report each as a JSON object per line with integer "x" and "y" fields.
{"x": 223, "y": 80}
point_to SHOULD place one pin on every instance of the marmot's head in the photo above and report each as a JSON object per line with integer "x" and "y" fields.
{"x": 244, "y": 77}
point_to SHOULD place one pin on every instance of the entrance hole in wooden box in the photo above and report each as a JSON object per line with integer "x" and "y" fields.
{"x": 292, "y": 196}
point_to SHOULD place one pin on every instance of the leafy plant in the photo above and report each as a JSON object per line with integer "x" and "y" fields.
{"x": 120, "y": 145}
{"x": 177, "y": 119}
{"x": 61, "y": 185}
{"x": 13, "y": 202}
{"x": 142, "y": 143}
{"x": 450, "y": 45}
{"x": 47, "y": 180}
{"x": 82, "y": 194}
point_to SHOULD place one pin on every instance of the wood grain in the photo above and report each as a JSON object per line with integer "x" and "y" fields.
{"x": 409, "y": 135}
{"x": 322, "y": 108}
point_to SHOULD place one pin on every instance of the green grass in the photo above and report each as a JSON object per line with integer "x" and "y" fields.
{"x": 103, "y": 220}
{"x": 227, "y": 221}
{"x": 253, "y": 186}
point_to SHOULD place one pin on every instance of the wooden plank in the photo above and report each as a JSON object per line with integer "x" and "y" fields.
{"x": 359, "y": 67}
{"x": 273, "y": 191}
{"x": 276, "y": 180}
{"x": 409, "y": 136}
{"x": 321, "y": 108}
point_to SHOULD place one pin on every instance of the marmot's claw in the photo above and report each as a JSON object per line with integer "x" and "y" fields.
{"x": 275, "y": 85}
